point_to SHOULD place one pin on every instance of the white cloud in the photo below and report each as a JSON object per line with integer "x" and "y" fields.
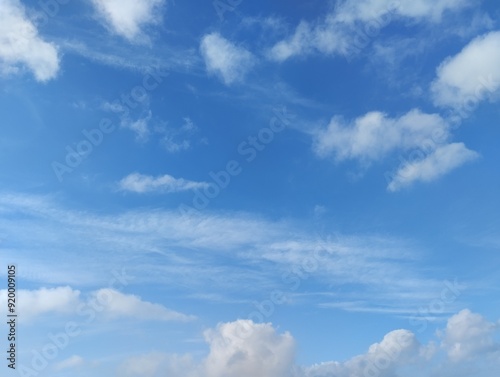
{"x": 69, "y": 363}
{"x": 438, "y": 163}
{"x": 468, "y": 335}
{"x": 178, "y": 139}
{"x": 139, "y": 126}
{"x": 20, "y": 44}
{"x": 366, "y": 10}
{"x": 117, "y": 305}
{"x": 230, "y": 62}
{"x": 397, "y": 348}
{"x": 136, "y": 120}
{"x": 127, "y": 18}
{"x": 471, "y": 75}
{"x": 353, "y": 23}
{"x": 173, "y": 146}
{"x": 140, "y": 183}
{"x": 222, "y": 247}
{"x": 237, "y": 349}
{"x": 110, "y": 302}
{"x": 374, "y": 135}
{"x": 60, "y": 300}
{"x": 246, "y": 349}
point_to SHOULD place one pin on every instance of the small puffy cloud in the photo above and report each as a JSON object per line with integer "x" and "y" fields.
{"x": 438, "y": 163}
{"x": 351, "y": 25}
{"x": 471, "y": 75}
{"x": 468, "y": 335}
{"x": 139, "y": 126}
{"x": 178, "y": 139}
{"x": 230, "y": 62}
{"x": 127, "y": 18}
{"x": 136, "y": 120}
{"x": 140, "y": 183}
{"x": 69, "y": 363}
{"x": 60, "y": 300}
{"x": 375, "y": 135}
{"x": 117, "y": 305}
{"x": 21, "y": 46}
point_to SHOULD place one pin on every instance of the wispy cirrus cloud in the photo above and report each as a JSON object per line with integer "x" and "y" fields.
{"x": 336, "y": 33}
{"x": 224, "y": 247}
{"x": 74, "y": 361}
{"x": 140, "y": 183}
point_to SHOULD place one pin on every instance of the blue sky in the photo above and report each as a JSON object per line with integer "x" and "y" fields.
{"x": 236, "y": 188}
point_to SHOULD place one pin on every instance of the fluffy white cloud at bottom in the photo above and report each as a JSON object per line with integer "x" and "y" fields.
{"x": 246, "y": 349}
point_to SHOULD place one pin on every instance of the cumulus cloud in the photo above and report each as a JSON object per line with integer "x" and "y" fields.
{"x": 396, "y": 349}
{"x": 351, "y": 24}
{"x": 127, "y": 18}
{"x": 228, "y": 61}
{"x": 246, "y": 349}
{"x": 440, "y": 162}
{"x": 374, "y": 135}
{"x": 243, "y": 348}
{"x": 237, "y": 349}
{"x": 468, "y": 335}
{"x": 140, "y": 183}
{"x": 471, "y": 75}
{"x": 21, "y": 46}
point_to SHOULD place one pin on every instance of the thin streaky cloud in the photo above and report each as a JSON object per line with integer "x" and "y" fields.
{"x": 140, "y": 183}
